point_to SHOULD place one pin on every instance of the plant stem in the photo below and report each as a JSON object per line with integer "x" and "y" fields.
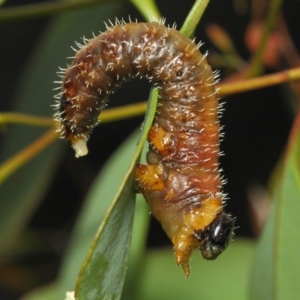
{"x": 19, "y": 118}
{"x": 256, "y": 61}
{"x": 123, "y": 112}
{"x": 258, "y": 82}
{"x": 19, "y": 159}
{"x": 138, "y": 109}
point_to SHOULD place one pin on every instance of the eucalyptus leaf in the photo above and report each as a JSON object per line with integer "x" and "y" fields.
{"x": 276, "y": 267}
{"x": 95, "y": 207}
{"x": 103, "y": 272}
{"x": 104, "y": 269}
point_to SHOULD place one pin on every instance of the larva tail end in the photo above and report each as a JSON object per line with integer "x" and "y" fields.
{"x": 184, "y": 245}
{"x": 80, "y": 147}
{"x": 182, "y": 259}
{"x": 186, "y": 269}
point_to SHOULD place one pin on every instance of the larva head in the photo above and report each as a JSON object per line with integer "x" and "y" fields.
{"x": 215, "y": 237}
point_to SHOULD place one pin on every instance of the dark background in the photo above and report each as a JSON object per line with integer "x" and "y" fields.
{"x": 256, "y": 123}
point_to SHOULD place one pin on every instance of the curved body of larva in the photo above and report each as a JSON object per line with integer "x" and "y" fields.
{"x": 182, "y": 181}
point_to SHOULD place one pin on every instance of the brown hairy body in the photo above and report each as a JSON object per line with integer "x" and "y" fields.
{"x": 182, "y": 181}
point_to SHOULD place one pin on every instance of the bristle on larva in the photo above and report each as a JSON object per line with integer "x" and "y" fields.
{"x": 182, "y": 181}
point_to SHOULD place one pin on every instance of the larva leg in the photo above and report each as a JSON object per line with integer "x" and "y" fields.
{"x": 150, "y": 177}
{"x": 160, "y": 140}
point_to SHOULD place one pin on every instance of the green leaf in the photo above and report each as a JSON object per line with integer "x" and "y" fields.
{"x": 103, "y": 272}
{"x": 160, "y": 278}
{"x": 138, "y": 249}
{"x": 225, "y": 278}
{"x": 95, "y": 207}
{"x": 34, "y": 96}
{"x": 276, "y": 268}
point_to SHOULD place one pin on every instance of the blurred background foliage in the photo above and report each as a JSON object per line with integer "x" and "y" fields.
{"x": 51, "y": 207}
